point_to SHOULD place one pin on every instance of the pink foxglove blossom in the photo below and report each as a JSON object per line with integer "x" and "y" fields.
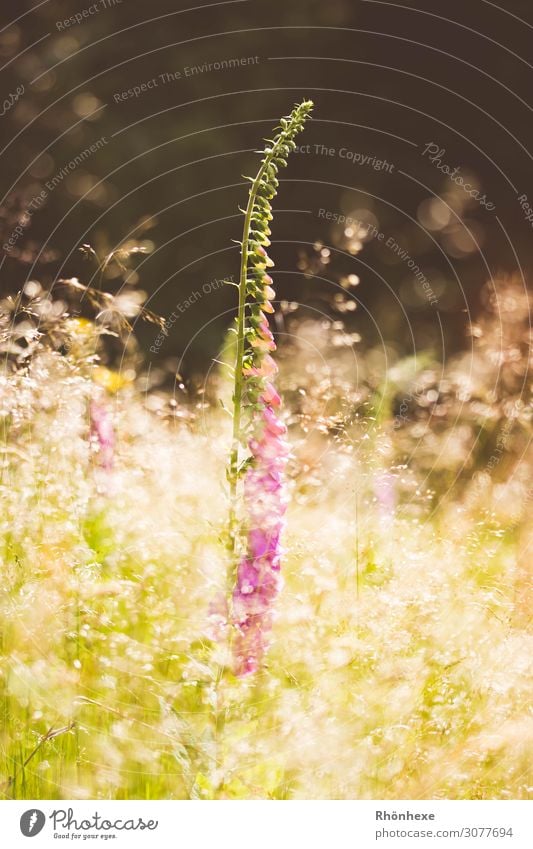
{"x": 258, "y": 579}
{"x": 258, "y": 574}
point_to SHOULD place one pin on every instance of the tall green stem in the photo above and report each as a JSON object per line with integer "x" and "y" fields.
{"x": 239, "y": 360}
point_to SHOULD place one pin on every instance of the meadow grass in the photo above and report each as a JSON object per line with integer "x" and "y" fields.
{"x": 400, "y": 654}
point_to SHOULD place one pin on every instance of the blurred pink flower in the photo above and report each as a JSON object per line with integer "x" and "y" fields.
{"x": 102, "y": 434}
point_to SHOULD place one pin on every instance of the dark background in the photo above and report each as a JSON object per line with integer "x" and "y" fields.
{"x": 386, "y": 80}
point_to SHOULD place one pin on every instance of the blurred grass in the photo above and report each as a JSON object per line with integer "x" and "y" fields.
{"x": 400, "y": 658}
